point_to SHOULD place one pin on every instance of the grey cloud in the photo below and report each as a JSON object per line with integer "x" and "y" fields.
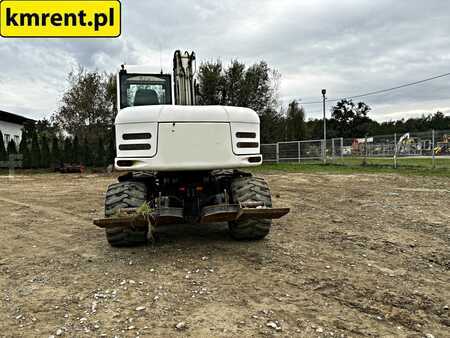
{"x": 349, "y": 47}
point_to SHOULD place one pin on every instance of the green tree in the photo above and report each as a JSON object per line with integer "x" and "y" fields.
{"x": 439, "y": 121}
{"x": 45, "y": 152}
{"x": 45, "y": 127}
{"x": 3, "y": 153}
{"x": 111, "y": 95}
{"x": 88, "y": 107}
{"x": 25, "y": 151}
{"x": 12, "y": 149}
{"x": 254, "y": 87}
{"x": 234, "y": 83}
{"x": 314, "y": 129}
{"x": 55, "y": 154}
{"x": 296, "y": 128}
{"x": 86, "y": 154}
{"x": 257, "y": 93}
{"x": 68, "y": 150}
{"x": 351, "y": 119}
{"x": 35, "y": 151}
{"x": 111, "y": 147}
{"x": 271, "y": 126}
{"x": 211, "y": 83}
{"x": 99, "y": 156}
{"x": 29, "y": 127}
{"x": 76, "y": 150}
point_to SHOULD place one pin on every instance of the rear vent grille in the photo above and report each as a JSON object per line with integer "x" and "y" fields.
{"x": 242, "y": 134}
{"x": 254, "y": 159}
{"x": 137, "y": 136}
{"x": 134, "y": 146}
{"x": 124, "y": 163}
{"x": 247, "y": 144}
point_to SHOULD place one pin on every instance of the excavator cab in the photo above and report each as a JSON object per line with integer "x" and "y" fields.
{"x": 137, "y": 87}
{"x": 143, "y": 89}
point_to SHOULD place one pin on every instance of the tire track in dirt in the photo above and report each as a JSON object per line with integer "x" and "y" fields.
{"x": 48, "y": 210}
{"x": 355, "y": 257}
{"x": 60, "y": 220}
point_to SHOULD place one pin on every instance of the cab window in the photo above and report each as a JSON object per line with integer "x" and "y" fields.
{"x": 144, "y": 90}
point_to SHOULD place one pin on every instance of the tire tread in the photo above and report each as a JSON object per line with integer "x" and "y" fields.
{"x": 250, "y": 189}
{"x": 119, "y": 196}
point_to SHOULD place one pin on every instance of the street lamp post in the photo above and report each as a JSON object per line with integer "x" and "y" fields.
{"x": 324, "y": 145}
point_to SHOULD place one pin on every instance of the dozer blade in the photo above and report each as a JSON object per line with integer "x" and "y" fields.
{"x": 268, "y": 213}
{"x": 209, "y": 214}
{"x": 219, "y": 213}
{"x": 163, "y": 216}
{"x": 233, "y": 212}
{"x": 137, "y": 221}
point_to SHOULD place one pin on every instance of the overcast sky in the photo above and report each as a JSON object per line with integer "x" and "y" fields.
{"x": 348, "y": 47}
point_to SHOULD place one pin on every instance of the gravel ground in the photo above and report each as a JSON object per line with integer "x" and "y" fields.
{"x": 359, "y": 255}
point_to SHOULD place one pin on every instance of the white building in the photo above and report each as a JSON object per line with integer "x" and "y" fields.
{"x": 11, "y": 126}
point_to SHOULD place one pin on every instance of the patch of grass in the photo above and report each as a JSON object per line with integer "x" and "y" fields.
{"x": 29, "y": 172}
{"x": 349, "y": 165}
{"x": 144, "y": 209}
{"x": 350, "y": 169}
{"x": 25, "y": 172}
{"x": 424, "y": 162}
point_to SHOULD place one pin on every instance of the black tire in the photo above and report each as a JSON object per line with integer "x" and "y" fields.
{"x": 125, "y": 195}
{"x": 250, "y": 189}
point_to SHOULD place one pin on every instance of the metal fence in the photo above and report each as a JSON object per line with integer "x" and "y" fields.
{"x": 300, "y": 151}
{"x": 425, "y": 149}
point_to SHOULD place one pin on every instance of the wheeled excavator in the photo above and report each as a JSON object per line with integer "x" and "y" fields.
{"x": 183, "y": 162}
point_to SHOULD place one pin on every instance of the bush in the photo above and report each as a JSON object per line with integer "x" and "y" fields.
{"x": 25, "y": 151}
{"x": 55, "y": 154}
{"x": 45, "y": 156}
{"x": 76, "y": 151}
{"x": 35, "y": 152}
{"x": 12, "y": 150}
{"x": 68, "y": 151}
{"x": 3, "y": 153}
{"x": 99, "y": 154}
{"x": 86, "y": 154}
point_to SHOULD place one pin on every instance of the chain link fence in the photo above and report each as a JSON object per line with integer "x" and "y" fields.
{"x": 302, "y": 151}
{"x": 422, "y": 149}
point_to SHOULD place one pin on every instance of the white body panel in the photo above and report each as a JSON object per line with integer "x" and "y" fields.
{"x": 187, "y": 137}
{"x": 244, "y": 127}
{"x": 129, "y": 128}
{"x": 169, "y": 113}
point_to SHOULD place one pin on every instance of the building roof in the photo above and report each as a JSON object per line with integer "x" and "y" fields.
{"x": 13, "y": 118}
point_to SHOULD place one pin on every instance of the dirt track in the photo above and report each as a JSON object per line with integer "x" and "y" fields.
{"x": 362, "y": 255}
